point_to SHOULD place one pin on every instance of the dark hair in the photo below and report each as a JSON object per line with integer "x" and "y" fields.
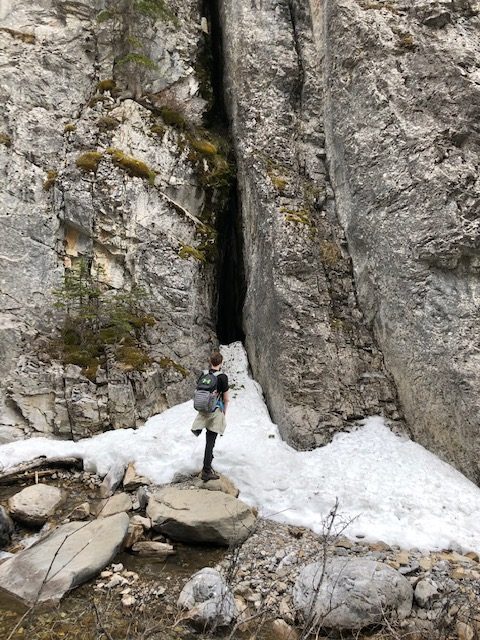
{"x": 216, "y": 358}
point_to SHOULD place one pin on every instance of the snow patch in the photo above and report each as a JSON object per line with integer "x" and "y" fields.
{"x": 388, "y": 487}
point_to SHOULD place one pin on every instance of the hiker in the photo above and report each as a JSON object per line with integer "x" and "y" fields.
{"x": 211, "y": 401}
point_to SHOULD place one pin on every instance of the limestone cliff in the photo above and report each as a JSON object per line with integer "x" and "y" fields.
{"x": 402, "y": 105}
{"x": 131, "y": 206}
{"x": 361, "y": 118}
{"x": 306, "y": 337}
{"x": 355, "y": 129}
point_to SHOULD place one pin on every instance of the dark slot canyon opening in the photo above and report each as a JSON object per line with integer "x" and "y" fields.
{"x": 230, "y": 274}
{"x": 230, "y": 269}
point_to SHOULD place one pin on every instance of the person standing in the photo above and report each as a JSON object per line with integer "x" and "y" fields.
{"x": 214, "y": 421}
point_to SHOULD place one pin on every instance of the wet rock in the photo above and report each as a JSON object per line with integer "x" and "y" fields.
{"x": 200, "y": 516}
{"x": 6, "y": 527}
{"x": 34, "y": 505}
{"x": 69, "y": 556}
{"x": 352, "y": 593}
{"x": 208, "y": 600}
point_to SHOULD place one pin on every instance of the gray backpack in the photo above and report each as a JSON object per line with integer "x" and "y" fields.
{"x": 206, "y": 394}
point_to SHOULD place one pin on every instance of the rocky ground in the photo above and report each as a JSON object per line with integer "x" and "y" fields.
{"x": 137, "y": 591}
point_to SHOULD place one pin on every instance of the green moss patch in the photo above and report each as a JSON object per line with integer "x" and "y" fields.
{"x": 330, "y": 253}
{"x": 297, "y": 216}
{"x": 52, "y": 175}
{"x": 89, "y": 161}
{"x": 186, "y": 251}
{"x": 107, "y": 123}
{"x": 168, "y": 363}
{"x": 5, "y": 140}
{"x": 134, "y": 358}
{"x": 173, "y": 117}
{"x": 106, "y": 85}
{"x": 132, "y": 166}
{"x": 158, "y": 130}
{"x": 28, "y": 38}
{"x": 203, "y": 146}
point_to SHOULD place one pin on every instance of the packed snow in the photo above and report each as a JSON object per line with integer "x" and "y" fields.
{"x": 388, "y": 488}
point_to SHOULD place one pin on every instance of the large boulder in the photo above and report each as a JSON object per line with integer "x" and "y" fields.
{"x": 71, "y": 555}
{"x": 34, "y": 505}
{"x": 197, "y": 515}
{"x": 351, "y": 593}
{"x": 208, "y": 599}
{"x": 6, "y": 527}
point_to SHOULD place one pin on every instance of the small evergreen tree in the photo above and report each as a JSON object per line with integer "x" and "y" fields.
{"x": 95, "y": 317}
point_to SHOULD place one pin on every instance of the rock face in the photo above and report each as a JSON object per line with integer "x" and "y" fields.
{"x": 76, "y": 76}
{"x": 198, "y": 515}
{"x": 34, "y": 505}
{"x": 351, "y": 593}
{"x": 208, "y": 599}
{"x": 355, "y": 126}
{"x": 71, "y": 555}
{"x": 401, "y": 121}
{"x": 301, "y": 318}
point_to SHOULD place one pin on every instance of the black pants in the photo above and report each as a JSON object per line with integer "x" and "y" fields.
{"x": 210, "y": 437}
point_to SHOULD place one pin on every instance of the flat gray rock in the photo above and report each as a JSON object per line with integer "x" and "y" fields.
{"x": 351, "y": 593}
{"x": 116, "y": 504}
{"x": 197, "y": 515}
{"x": 34, "y": 505}
{"x": 71, "y": 555}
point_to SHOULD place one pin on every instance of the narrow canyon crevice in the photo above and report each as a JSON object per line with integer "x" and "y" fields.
{"x": 230, "y": 268}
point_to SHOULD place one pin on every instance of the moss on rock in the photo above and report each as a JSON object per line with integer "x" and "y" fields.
{"x": 132, "y": 166}
{"x": 168, "y": 363}
{"x": 89, "y": 161}
{"x": 106, "y": 85}
{"x": 186, "y": 251}
{"x": 107, "y": 123}
{"x": 5, "y": 140}
{"x": 52, "y": 175}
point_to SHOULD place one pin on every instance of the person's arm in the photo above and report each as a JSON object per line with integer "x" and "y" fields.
{"x": 226, "y": 400}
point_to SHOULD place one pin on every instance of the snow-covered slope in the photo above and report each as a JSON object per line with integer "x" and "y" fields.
{"x": 390, "y": 488}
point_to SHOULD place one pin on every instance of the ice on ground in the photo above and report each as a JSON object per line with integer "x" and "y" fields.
{"x": 388, "y": 487}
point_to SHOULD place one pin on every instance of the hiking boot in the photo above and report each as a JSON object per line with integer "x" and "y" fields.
{"x": 209, "y": 475}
